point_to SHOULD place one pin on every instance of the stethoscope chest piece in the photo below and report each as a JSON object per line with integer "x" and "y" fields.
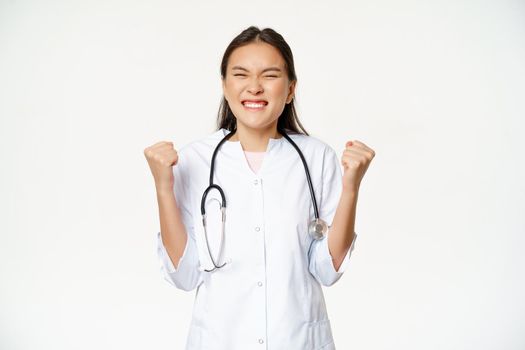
{"x": 317, "y": 228}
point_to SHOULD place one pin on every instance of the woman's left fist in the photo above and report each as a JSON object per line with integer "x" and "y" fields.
{"x": 355, "y": 160}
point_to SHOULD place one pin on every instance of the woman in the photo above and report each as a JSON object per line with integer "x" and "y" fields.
{"x": 258, "y": 274}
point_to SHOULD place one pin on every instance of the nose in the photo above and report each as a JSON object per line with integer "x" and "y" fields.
{"x": 255, "y": 86}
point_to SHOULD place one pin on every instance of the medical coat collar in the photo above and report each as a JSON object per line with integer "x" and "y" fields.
{"x": 272, "y": 142}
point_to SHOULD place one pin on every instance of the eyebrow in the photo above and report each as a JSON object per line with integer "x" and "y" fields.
{"x": 276, "y": 69}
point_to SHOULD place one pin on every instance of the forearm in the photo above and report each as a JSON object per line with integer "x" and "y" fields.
{"x": 172, "y": 228}
{"x": 343, "y": 226}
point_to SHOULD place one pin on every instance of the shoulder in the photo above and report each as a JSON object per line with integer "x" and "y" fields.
{"x": 192, "y": 154}
{"x": 201, "y": 145}
{"x": 312, "y": 144}
{"x": 319, "y": 153}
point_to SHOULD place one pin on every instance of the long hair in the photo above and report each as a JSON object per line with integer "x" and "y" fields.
{"x": 288, "y": 119}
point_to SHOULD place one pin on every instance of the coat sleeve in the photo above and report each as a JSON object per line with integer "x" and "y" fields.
{"x": 320, "y": 260}
{"x": 187, "y": 275}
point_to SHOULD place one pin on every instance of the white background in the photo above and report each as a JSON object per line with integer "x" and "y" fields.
{"x": 436, "y": 88}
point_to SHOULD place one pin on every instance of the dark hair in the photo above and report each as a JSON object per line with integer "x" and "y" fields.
{"x": 288, "y": 119}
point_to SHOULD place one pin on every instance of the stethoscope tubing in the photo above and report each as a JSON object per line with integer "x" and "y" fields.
{"x": 211, "y": 186}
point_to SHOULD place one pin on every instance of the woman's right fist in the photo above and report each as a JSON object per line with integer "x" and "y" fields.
{"x": 161, "y": 158}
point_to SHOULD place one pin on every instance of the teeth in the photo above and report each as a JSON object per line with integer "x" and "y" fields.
{"x": 254, "y": 105}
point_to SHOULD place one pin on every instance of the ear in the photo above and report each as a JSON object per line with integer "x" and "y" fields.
{"x": 291, "y": 91}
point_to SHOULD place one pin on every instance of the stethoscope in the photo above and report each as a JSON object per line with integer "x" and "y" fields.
{"x": 316, "y": 229}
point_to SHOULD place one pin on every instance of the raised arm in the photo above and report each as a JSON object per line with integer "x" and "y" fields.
{"x": 355, "y": 160}
{"x": 176, "y": 244}
{"x": 161, "y": 158}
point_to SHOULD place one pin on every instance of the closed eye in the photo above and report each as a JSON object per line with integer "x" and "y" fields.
{"x": 266, "y": 76}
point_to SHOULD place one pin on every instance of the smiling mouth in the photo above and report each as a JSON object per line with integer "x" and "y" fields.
{"x": 254, "y": 106}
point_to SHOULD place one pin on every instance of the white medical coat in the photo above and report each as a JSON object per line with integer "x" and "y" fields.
{"x": 268, "y": 295}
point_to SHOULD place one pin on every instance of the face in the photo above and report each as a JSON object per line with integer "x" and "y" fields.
{"x": 256, "y": 86}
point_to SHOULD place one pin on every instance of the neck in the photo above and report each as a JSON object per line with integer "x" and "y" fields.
{"x": 254, "y": 140}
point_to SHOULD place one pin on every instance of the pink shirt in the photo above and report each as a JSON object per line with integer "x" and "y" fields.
{"x": 254, "y": 160}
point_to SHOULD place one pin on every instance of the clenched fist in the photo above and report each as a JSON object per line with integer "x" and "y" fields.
{"x": 355, "y": 160}
{"x": 161, "y": 158}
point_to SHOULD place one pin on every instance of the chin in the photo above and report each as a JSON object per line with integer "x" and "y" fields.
{"x": 252, "y": 121}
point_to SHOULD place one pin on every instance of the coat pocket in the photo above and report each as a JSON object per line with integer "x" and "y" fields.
{"x": 320, "y": 335}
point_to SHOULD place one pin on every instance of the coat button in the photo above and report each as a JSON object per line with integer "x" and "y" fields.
{"x": 259, "y": 283}
{"x": 257, "y": 229}
{"x": 261, "y": 341}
